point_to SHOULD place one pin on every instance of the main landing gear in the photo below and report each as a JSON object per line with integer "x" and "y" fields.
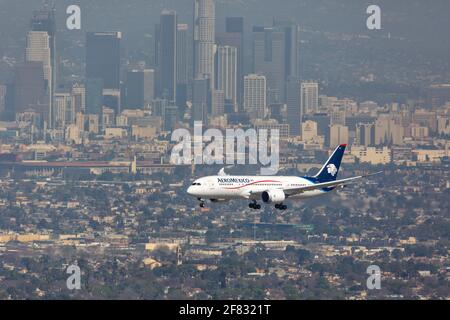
{"x": 280, "y": 206}
{"x": 254, "y": 205}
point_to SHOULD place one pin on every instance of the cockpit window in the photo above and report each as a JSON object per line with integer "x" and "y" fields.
{"x": 196, "y": 184}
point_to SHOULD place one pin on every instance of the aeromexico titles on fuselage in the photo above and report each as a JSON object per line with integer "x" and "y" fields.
{"x": 229, "y": 183}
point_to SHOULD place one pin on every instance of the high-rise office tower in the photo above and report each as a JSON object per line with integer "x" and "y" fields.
{"x": 156, "y": 62}
{"x": 103, "y": 58}
{"x": 158, "y": 106}
{"x": 255, "y": 91}
{"x": 168, "y": 54}
{"x": 204, "y": 42}
{"x": 200, "y": 100}
{"x": 234, "y": 25}
{"x": 38, "y": 50}
{"x": 78, "y": 98}
{"x": 111, "y": 99}
{"x": 170, "y": 117}
{"x": 309, "y": 130}
{"x": 62, "y": 110}
{"x": 182, "y": 53}
{"x": 294, "y": 110}
{"x": 291, "y": 47}
{"x": 44, "y": 21}
{"x": 309, "y": 97}
{"x": 94, "y": 96}
{"x": 338, "y": 135}
{"x": 365, "y": 134}
{"x": 269, "y": 60}
{"x": 234, "y": 37}
{"x": 10, "y": 106}
{"x": 182, "y": 65}
{"x": 30, "y": 88}
{"x": 387, "y": 131}
{"x": 217, "y": 102}
{"x": 438, "y": 95}
{"x": 227, "y": 75}
{"x": 2, "y": 100}
{"x": 140, "y": 88}
{"x": 323, "y": 124}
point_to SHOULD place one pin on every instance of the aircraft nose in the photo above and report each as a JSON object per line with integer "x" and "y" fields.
{"x": 189, "y": 191}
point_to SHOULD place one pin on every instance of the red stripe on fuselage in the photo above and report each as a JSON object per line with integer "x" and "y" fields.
{"x": 249, "y": 184}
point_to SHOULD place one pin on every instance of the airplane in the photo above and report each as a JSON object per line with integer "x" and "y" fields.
{"x": 272, "y": 189}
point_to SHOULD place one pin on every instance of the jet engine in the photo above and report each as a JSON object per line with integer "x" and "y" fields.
{"x": 273, "y": 196}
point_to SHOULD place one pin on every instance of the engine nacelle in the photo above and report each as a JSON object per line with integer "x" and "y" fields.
{"x": 273, "y": 196}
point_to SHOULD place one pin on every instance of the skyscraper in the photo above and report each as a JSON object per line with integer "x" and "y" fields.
{"x": 168, "y": 54}
{"x": 78, "y": 98}
{"x": 182, "y": 53}
{"x": 291, "y": 47}
{"x": 255, "y": 90}
{"x": 158, "y": 106}
{"x": 217, "y": 102}
{"x": 234, "y": 37}
{"x": 234, "y": 25}
{"x": 309, "y": 97}
{"x": 30, "y": 88}
{"x": 200, "y": 100}
{"x": 44, "y": 21}
{"x": 365, "y": 134}
{"x": 140, "y": 88}
{"x": 103, "y": 58}
{"x": 294, "y": 110}
{"x": 182, "y": 65}
{"x": 62, "y": 110}
{"x": 38, "y": 50}
{"x": 204, "y": 44}
{"x": 2, "y": 100}
{"x": 269, "y": 60}
{"x": 227, "y": 74}
{"x": 94, "y": 96}
{"x": 170, "y": 117}
{"x": 338, "y": 135}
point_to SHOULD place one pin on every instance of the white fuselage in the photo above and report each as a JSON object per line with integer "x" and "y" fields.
{"x": 247, "y": 187}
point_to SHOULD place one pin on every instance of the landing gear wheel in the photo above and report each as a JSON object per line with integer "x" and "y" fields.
{"x": 202, "y": 204}
{"x": 254, "y": 205}
{"x": 280, "y": 206}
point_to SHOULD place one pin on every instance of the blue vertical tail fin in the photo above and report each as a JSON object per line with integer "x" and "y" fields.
{"x": 330, "y": 169}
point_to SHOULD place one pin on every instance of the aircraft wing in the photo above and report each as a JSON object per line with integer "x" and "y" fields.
{"x": 331, "y": 184}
